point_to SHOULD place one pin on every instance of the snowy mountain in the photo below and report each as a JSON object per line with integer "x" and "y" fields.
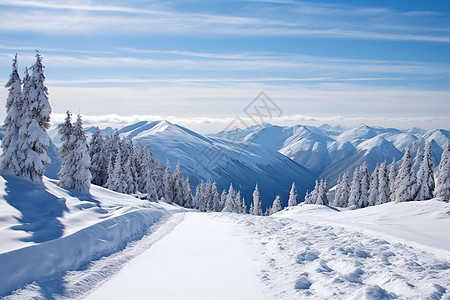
{"x": 328, "y": 151}
{"x": 243, "y": 163}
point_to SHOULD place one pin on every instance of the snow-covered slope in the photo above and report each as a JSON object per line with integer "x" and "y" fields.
{"x": 45, "y": 229}
{"x": 242, "y": 163}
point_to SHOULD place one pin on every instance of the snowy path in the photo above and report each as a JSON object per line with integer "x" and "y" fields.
{"x": 201, "y": 258}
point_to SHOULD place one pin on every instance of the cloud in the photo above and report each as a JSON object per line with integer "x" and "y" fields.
{"x": 273, "y": 20}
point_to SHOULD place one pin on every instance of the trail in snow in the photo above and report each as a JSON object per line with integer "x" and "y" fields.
{"x": 200, "y": 259}
{"x": 303, "y": 260}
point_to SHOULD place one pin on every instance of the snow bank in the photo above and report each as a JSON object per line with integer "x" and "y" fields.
{"x": 422, "y": 223}
{"x": 45, "y": 230}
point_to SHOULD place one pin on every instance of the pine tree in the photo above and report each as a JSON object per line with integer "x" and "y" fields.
{"x": 178, "y": 186}
{"x": 215, "y": 201}
{"x": 257, "y": 209}
{"x": 425, "y": 176}
{"x": 343, "y": 191}
{"x": 223, "y": 198}
{"x": 293, "y": 196}
{"x": 33, "y": 140}
{"x": 229, "y": 200}
{"x": 276, "y": 205}
{"x": 99, "y": 160}
{"x": 198, "y": 199}
{"x": 188, "y": 198}
{"x": 392, "y": 176}
{"x": 244, "y": 206}
{"x": 365, "y": 183}
{"x": 167, "y": 182}
{"x": 373, "y": 188}
{"x": 66, "y": 153}
{"x": 322, "y": 193}
{"x": 355, "y": 190}
{"x": 10, "y": 158}
{"x": 311, "y": 198}
{"x": 443, "y": 180}
{"x": 82, "y": 162}
{"x": 405, "y": 183}
{"x": 383, "y": 185}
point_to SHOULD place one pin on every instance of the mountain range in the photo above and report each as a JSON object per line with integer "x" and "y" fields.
{"x": 274, "y": 156}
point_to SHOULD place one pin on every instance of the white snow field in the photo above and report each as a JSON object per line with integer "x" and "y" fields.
{"x": 306, "y": 252}
{"x": 99, "y": 247}
{"x": 45, "y": 230}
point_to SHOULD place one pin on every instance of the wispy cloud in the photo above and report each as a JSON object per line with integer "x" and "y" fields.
{"x": 361, "y": 23}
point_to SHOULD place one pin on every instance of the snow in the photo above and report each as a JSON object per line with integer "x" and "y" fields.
{"x": 201, "y": 258}
{"x": 388, "y": 251}
{"x": 45, "y": 229}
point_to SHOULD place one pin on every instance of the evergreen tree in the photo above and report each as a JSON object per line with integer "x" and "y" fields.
{"x": 343, "y": 191}
{"x": 311, "y": 198}
{"x": 293, "y": 196}
{"x": 365, "y": 184}
{"x": 198, "y": 199}
{"x": 229, "y": 200}
{"x": 10, "y": 159}
{"x": 425, "y": 177}
{"x": 188, "y": 198}
{"x": 443, "y": 180}
{"x": 82, "y": 162}
{"x": 244, "y": 206}
{"x": 167, "y": 182}
{"x": 276, "y": 205}
{"x": 322, "y": 193}
{"x": 215, "y": 201}
{"x": 178, "y": 186}
{"x": 392, "y": 176}
{"x": 373, "y": 188}
{"x": 405, "y": 185}
{"x": 383, "y": 185}
{"x": 257, "y": 209}
{"x": 355, "y": 190}
{"x": 66, "y": 153}
{"x": 33, "y": 140}
{"x": 223, "y": 198}
{"x": 99, "y": 160}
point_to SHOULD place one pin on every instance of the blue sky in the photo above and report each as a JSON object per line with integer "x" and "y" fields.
{"x": 200, "y": 63}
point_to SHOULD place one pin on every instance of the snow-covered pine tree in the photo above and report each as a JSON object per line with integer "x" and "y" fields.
{"x": 198, "y": 198}
{"x": 341, "y": 198}
{"x": 383, "y": 185}
{"x": 33, "y": 140}
{"x": 244, "y": 206}
{"x": 355, "y": 190}
{"x": 9, "y": 159}
{"x": 167, "y": 182}
{"x": 207, "y": 197}
{"x": 214, "y": 197}
{"x": 82, "y": 162}
{"x": 405, "y": 182}
{"x": 373, "y": 188}
{"x": 223, "y": 198}
{"x": 229, "y": 200}
{"x": 257, "y": 209}
{"x": 322, "y": 191}
{"x": 178, "y": 186}
{"x": 425, "y": 176}
{"x": 237, "y": 202}
{"x": 158, "y": 175}
{"x": 311, "y": 198}
{"x": 365, "y": 184}
{"x": 99, "y": 160}
{"x": 188, "y": 198}
{"x": 391, "y": 179}
{"x": 293, "y": 196}
{"x": 276, "y": 205}
{"x": 443, "y": 179}
{"x": 66, "y": 153}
